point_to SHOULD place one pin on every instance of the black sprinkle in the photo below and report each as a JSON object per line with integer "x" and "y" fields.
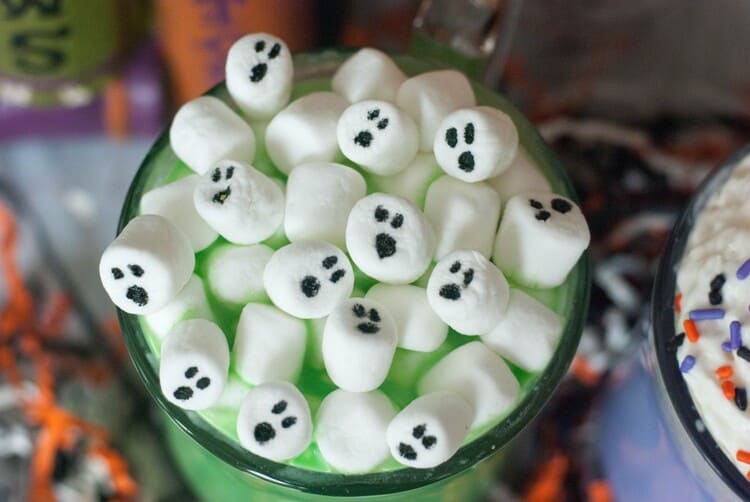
{"x": 407, "y": 451}
{"x": 136, "y": 270}
{"x": 466, "y": 162}
{"x": 381, "y": 213}
{"x": 715, "y": 298}
{"x": 117, "y": 273}
{"x": 468, "y": 277}
{"x": 203, "y": 382}
{"x": 469, "y": 133}
{"x": 368, "y": 328}
{"x": 542, "y": 215}
{"x": 450, "y": 292}
{"x": 374, "y": 315}
{"x": 264, "y": 432}
{"x": 740, "y": 398}
{"x": 222, "y": 196}
{"x": 455, "y": 267}
{"x": 536, "y": 204}
{"x": 137, "y": 295}
{"x": 359, "y": 310}
{"x": 429, "y": 441}
{"x": 718, "y": 282}
{"x": 373, "y": 114}
{"x": 562, "y": 206}
{"x": 363, "y": 138}
{"x": 329, "y": 262}
{"x": 183, "y": 393}
{"x": 230, "y": 172}
{"x": 418, "y": 431}
{"x": 744, "y": 353}
{"x": 385, "y": 245}
{"x": 191, "y": 371}
{"x": 216, "y": 176}
{"x": 383, "y": 124}
{"x": 258, "y": 72}
{"x": 451, "y": 137}
{"x": 337, "y": 275}
{"x": 397, "y": 220}
{"x": 675, "y": 342}
{"x": 275, "y": 50}
{"x": 279, "y": 407}
{"x": 310, "y": 286}
{"x": 288, "y": 422}
{"x": 260, "y": 45}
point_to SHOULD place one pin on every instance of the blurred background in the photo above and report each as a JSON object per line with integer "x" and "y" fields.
{"x": 639, "y": 98}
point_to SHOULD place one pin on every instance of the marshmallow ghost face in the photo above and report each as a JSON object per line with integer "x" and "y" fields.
{"x": 307, "y": 279}
{"x": 274, "y": 421}
{"x": 389, "y": 238}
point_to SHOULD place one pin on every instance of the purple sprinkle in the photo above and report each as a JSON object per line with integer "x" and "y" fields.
{"x": 744, "y": 271}
{"x": 735, "y": 335}
{"x": 687, "y": 364}
{"x": 706, "y": 314}
{"x": 726, "y": 347}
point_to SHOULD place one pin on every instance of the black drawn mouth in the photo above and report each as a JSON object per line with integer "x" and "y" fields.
{"x": 137, "y": 295}
{"x": 258, "y": 72}
{"x": 222, "y": 196}
{"x": 385, "y": 245}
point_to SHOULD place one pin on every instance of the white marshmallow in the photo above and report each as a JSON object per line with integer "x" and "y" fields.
{"x": 145, "y": 267}
{"x": 412, "y": 182}
{"x": 269, "y": 345}
{"x": 429, "y": 97}
{"x": 174, "y": 201}
{"x": 305, "y": 131}
{"x": 474, "y": 144}
{"x": 468, "y": 292}
{"x": 540, "y": 239}
{"x": 235, "y": 273}
{"x": 528, "y": 333}
{"x": 522, "y": 176}
{"x": 378, "y": 136}
{"x": 389, "y": 238}
{"x": 244, "y": 205}
{"x": 319, "y": 197}
{"x": 205, "y": 131}
{"x": 259, "y": 74}
{"x": 194, "y": 364}
{"x": 417, "y": 325}
{"x": 350, "y": 429}
{"x": 274, "y": 421}
{"x": 430, "y": 430}
{"x": 307, "y": 279}
{"x": 359, "y": 341}
{"x": 368, "y": 74}
{"x": 190, "y": 303}
{"x": 464, "y": 215}
{"x": 479, "y": 376}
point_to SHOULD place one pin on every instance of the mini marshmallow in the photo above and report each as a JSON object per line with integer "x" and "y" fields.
{"x": 194, "y": 364}
{"x": 468, "y": 292}
{"x": 244, "y": 205}
{"x": 358, "y": 344}
{"x": 319, "y": 197}
{"x": 174, "y": 201}
{"x": 274, "y": 421}
{"x": 464, "y": 215}
{"x": 474, "y": 144}
{"x": 305, "y": 131}
{"x": 378, "y": 136}
{"x": 412, "y": 182}
{"x": 389, "y": 238}
{"x": 145, "y": 267}
{"x": 259, "y": 74}
{"x": 205, "y": 131}
{"x": 190, "y": 303}
{"x": 541, "y": 237}
{"x": 527, "y": 334}
{"x": 479, "y": 376}
{"x": 417, "y": 325}
{"x": 235, "y": 273}
{"x": 429, "y": 97}
{"x": 269, "y": 345}
{"x": 307, "y": 279}
{"x": 368, "y": 74}
{"x": 430, "y": 430}
{"x": 351, "y": 430}
{"x": 522, "y": 176}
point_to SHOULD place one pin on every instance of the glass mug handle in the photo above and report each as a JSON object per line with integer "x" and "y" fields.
{"x": 473, "y": 36}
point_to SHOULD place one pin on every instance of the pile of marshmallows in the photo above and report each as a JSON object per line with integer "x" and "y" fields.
{"x": 381, "y": 121}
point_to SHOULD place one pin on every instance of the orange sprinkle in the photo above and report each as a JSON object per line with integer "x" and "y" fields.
{"x": 599, "y": 491}
{"x": 728, "y": 389}
{"x": 691, "y": 331}
{"x": 549, "y": 480}
{"x": 584, "y": 372}
{"x": 747, "y": 475}
{"x": 678, "y": 302}
{"x": 724, "y": 372}
{"x": 743, "y": 456}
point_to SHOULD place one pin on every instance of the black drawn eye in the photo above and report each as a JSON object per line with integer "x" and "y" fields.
{"x": 260, "y": 45}
{"x": 373, "y": 114}
{"x": 279, "y": 407}
{"x": 216, "y": 175}
{"x": 117, "y": 273}
{"x": 451, "y": 137}
{"x": 397, "y": 220}
{"x": 275, "y": 50}
{"x": 230, "y": 172}
{"x": 191, "y": 372}
{"x": 469, "y": 133}
{"x": 381, "y": 213}
{"x": 136, "y": 270}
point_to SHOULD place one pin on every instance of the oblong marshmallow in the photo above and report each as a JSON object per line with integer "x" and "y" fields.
{"x": 468, "y": 292}
{"x": 541, "y": 237}
{"x": 190, "y": 303}
{"x": 269, "y": 345}
{"x": 145, "y": 267}
{"x": 430, "y": 430}
{"x": 244, "y": 205}
{"x": 174, "y": 201}
{"x": 235, "y": 273}
{"x": 359, "y": 341}
{"x": 411, "y": 183}
{"x": 368, "y": 74}
{"x": 389, "y": 238}
{"x": 274, "y": 421}
{"x": 464, "y": 215}
{"x": 305, "y": 131}
{"x": 522, "y": 175}
{"x": 194, "y": 364}
{"x": 430, "y": 96}
{"x": 527, "y": 335}
{"x": 259, "y": 74}
{"x": 474, "y": 144}
{"x": 479, "y": 376}
{"x": 418, "y": 327}
{"x": 378, "y": 136}
{"x": 351, "y": 429}
{"x": 307, "y": 279}
{"x": 205, "y": 131}
{"x": 319, "y": 197}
